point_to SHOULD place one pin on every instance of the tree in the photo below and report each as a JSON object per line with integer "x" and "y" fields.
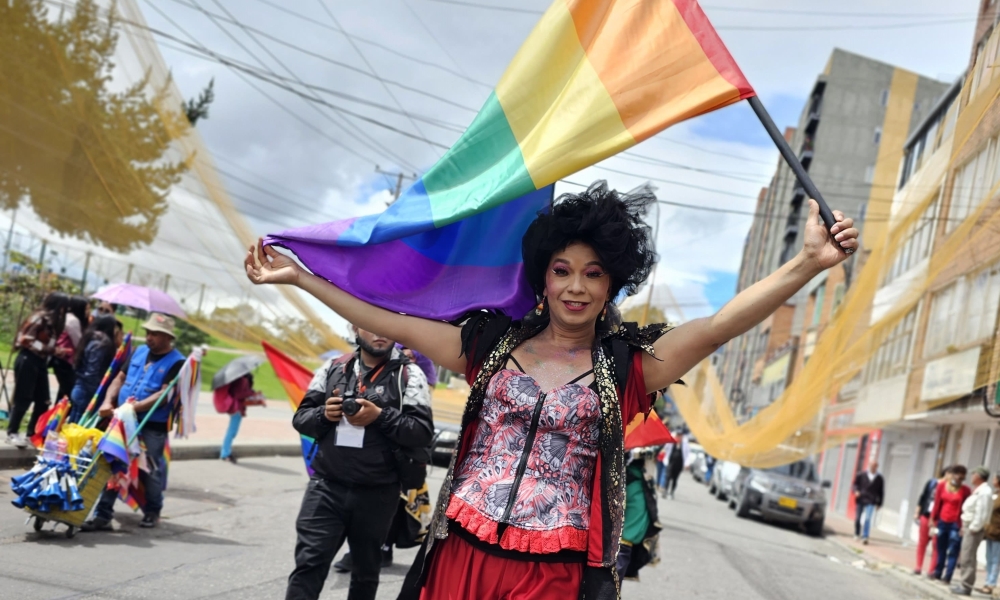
{"x": 90, "y": 157}
{"x": 196, "y": 109}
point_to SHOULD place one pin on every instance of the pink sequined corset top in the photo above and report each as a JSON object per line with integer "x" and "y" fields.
{"x": 551, "y": 466}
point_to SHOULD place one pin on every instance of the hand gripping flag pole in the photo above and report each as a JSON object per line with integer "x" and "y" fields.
{"x": 793, "y": 163}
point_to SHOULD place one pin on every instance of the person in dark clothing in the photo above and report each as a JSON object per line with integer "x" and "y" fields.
{"x": 675, "y": 465}
{"x": 869, "y": 491}
{"x": 92, "y": 358}
{"x": 354, "y": 491}
{"x": 35, "y": 344}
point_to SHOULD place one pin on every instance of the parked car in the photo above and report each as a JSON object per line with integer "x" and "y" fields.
{"x": 787, "y": 494}
{"x": 698, "y": 466}
{"x": 444, "y": 442}
{"x": 723, "y": 477}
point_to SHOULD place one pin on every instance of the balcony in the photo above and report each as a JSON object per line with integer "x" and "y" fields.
{"x": 812, "y": 122}
{"x": 806, "y": 153}
{"x": 798, "y": 195}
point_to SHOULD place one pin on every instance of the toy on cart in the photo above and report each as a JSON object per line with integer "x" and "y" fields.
{"x": 57, "y": 491}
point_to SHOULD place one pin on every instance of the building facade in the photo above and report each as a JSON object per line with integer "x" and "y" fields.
{"x": 850, "y": 138}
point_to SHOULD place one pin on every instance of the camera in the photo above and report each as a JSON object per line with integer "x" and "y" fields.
{"x": 349, "y": 405}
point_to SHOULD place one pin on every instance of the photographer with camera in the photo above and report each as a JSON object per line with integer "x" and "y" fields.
{"x": 371, "y": 418}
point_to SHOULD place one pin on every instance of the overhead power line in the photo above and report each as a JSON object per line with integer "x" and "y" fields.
{"x": 460, "y": 74}
{"x": 803, "y": 27}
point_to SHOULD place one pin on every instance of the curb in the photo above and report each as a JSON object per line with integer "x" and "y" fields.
{"x": 16, "y": 458}
{"x": 898, "y": 572}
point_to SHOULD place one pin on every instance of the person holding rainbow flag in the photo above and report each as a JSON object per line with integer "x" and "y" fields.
{"x": 532, "y": 506}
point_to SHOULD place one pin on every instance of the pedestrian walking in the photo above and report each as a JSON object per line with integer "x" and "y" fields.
{"x": 661, "y": 468}
{"x": 91, "y": 360}
{"x": 532, "y": 506}
{"x": 35, "y": 344}
{"x": 368, "y": 415}
{"x": 869, "y": 491}
{"x": 677, "y": 457}
{"x": 946, "y": 518}
{"x": 922, "y": 516}
{"x": 975, "y": 515}
{"x": 143, "y": 378}
{"x": 233, "y": 400}
{"x": 993, "y": 540}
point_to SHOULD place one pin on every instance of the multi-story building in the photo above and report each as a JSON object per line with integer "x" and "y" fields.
{"x": 849, "y": 137}
{"x": 931, "y": 385}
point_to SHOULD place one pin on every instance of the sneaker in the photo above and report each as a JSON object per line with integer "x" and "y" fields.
{"x": 961, "y": 590}
{"x": 344, "y": 565}
{"x": 19, "y": 441}
{"x": 229, "y": 458}
{"x": 149, "y": 521}
{"x": 386, "y": 558}
{"x": 97, "y": 524}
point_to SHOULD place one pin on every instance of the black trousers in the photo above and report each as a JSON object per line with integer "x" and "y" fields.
{"x": 332, "y": 513}
{"x": 65, "y": 375}
{"x": 672, "y": 476}
{"x": 31, "y": 387}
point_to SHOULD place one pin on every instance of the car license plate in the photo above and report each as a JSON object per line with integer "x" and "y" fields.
{"x": 791, "y": 503}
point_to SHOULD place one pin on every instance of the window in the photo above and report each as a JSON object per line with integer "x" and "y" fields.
{"x": 916, "y": 243}
{"x": 818, "y": 303}
{"x": 870, "y": 174}
{"x": 892, "y": 358}
{"x": 883, "y": 98}
{"x": 878, "y": 135}
{"x": 971, "y": 182}
{"x": 965, "y": 312}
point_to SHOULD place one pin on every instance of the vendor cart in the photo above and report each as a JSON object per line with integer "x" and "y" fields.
{"x": 92, "y": 483}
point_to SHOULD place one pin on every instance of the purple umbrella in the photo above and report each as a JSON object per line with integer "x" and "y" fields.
{"x": 137, "y": 296}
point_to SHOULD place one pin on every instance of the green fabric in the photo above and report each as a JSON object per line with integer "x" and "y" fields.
{"x": 636, "y": 515}
{"x": 484, "y": 164}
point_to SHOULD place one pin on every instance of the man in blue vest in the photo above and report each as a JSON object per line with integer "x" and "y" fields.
{"x": 142, "y": 380}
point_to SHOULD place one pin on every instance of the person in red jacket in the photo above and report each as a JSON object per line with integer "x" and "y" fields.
{"x": 947, "y": 519}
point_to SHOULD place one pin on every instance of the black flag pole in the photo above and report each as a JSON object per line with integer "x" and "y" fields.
{"x": 793, "y": 163}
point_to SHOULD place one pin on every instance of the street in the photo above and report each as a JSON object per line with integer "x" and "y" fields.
{"x": 228, "y": 532}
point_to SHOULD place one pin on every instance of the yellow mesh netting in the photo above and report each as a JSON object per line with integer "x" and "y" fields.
{"x": 791, "y": 428}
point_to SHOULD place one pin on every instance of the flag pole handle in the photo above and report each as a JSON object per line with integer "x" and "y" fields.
{"x": 793, "y": 163}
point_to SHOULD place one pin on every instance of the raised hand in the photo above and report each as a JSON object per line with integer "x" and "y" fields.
{"x": 824, "y": 247}
{"x": 267, "y": 265}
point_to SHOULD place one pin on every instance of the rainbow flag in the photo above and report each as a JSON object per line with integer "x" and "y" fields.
{"x": 593, "y": 78}
{"x": 113, "y": 444}
{"x": 51, "y": 420}
{"x": 295, "y": 379}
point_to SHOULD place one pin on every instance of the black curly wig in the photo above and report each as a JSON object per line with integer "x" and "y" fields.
{"x": 608, "y": 221}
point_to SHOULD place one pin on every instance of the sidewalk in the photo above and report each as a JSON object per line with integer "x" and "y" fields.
{"x": 265, "y": 431}
{"x": 889, "y": 554}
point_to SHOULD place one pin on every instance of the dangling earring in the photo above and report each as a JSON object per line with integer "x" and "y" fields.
{"x": 604, "y": 312}
{"x": 541, "y": 307}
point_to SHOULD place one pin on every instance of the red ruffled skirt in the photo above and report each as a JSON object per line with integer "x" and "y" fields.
{"x": 458, "y": 571}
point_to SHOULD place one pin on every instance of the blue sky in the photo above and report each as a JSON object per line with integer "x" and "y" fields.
{"x": 739, "y": 124}
{"x": 721, "y": 287}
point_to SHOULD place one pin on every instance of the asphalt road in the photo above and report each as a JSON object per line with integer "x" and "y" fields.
{"x": 228, "y": 532}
